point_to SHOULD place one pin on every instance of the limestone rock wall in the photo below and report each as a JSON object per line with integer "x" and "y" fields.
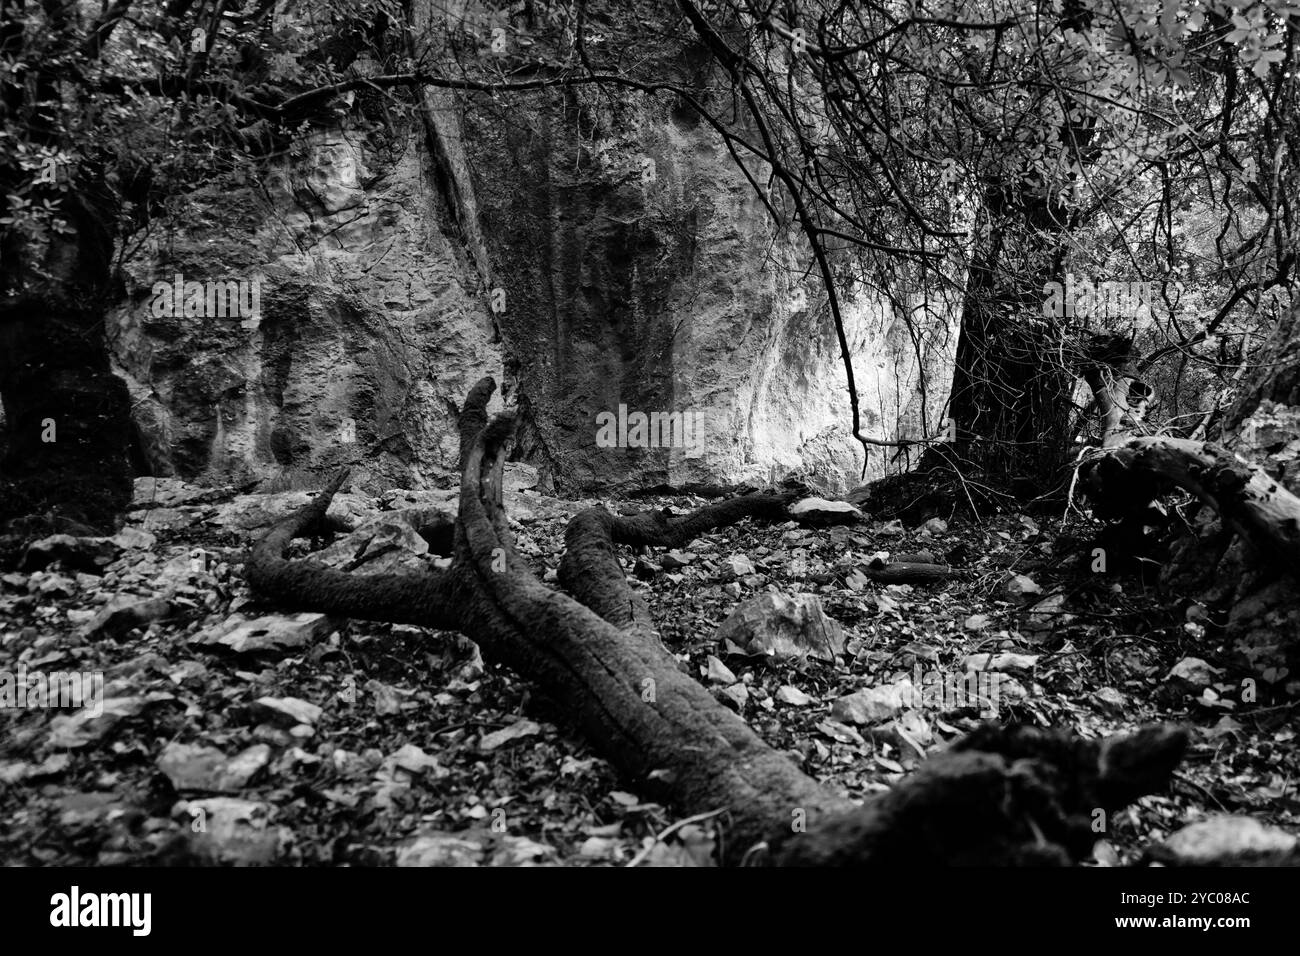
{"x": 370, "y": 326}
{"x": 589, "y": 251}
{"x": 640, "y": 269}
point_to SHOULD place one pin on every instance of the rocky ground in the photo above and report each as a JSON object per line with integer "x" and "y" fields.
{"x": 233, "y": 732}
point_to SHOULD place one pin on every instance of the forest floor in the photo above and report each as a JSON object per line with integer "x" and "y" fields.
{"x": 234, "y": 732}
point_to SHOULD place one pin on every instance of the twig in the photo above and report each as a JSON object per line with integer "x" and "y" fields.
{"x": 1183, "y": 778}
{"x": 659, "y": 838}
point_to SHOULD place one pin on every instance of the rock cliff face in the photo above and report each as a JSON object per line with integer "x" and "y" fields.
{"x": 369, "y": 326}
{"x": 591, "y": 251}
{"x": 639, "y": 269}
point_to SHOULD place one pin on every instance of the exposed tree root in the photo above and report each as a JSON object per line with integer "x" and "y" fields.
{"x": 668, "y": 531}
{"x": 1001, "y": 797}
{"x": 423, "y": 599}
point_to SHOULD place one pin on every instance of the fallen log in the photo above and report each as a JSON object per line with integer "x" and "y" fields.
{"x": 1126, "y": 478}
{"x": 1003, "y": 796}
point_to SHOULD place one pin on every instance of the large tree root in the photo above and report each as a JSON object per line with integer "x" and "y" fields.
{"x": 1003, "y": 796}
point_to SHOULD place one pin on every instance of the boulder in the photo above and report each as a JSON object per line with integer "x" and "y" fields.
{"x": 783, "y": 627}
{"x": 375, "y": 321}
{"x": 383, "y": 544}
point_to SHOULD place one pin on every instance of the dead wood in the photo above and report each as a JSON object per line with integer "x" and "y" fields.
{"x": 1126, "y": 478}
{"x": 598, "y": 654}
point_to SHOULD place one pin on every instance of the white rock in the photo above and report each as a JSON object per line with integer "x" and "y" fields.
{"x": 598, "y": 848}
{"x": 842, "y": 733}
{"x": 872, "y": 705}
{"x": 1006, "y": 661}
{"x": 1194, "y": 672}
{"x": 738, "y": 694}
{"x": 1047, "y": 615}
{"x": 228, "y": 830}
{"x": 196, "y": 767}
{"x": 718, "y": 672}
{"x": 820, "y": 512}
{"x": 518, "y": 476}
{"x": 909, "y": 733}
{"x": 273, "y": 632}
{"x": 857, "y": 581}
{"x": 289, "y": 710}
{"x": 783, "y": 626}
{"x": 792, "y": 696}
{"x": 1222, "y": 837}
{"x": 498, "y": 738}
{"x": 1110, "y": 698}
{"x": 378, "y": 546}
{"x": 740, "y": 565}
{"x": 134, "y": 539}
{"x": 95, "y": 722}
{"x": 1021, "y": 587}
{"x": 439, "y": 849}
{"x": 414, "y": 760}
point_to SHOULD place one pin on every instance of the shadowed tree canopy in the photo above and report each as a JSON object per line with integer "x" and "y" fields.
{"x": 982, "y": 147}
